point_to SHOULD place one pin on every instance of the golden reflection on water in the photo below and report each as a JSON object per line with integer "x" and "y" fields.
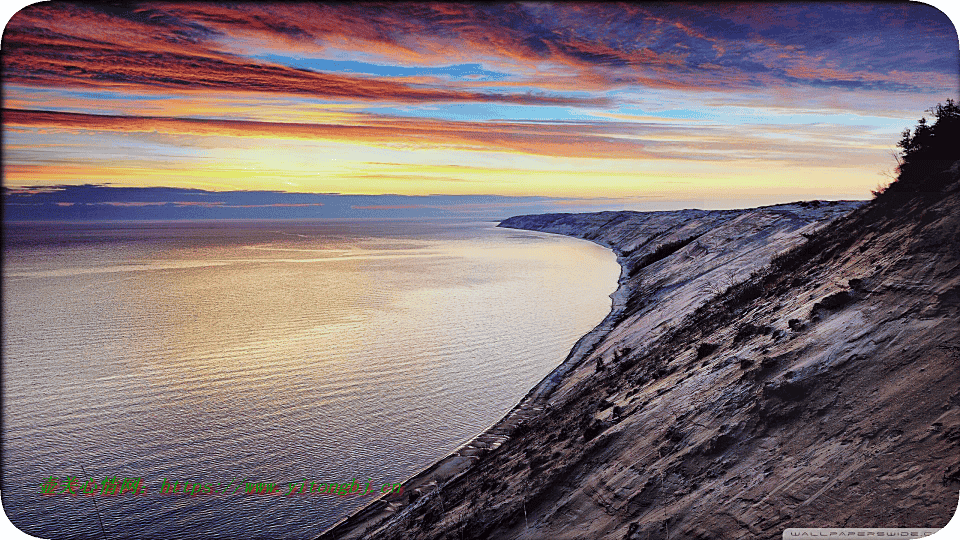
{"x": 279, "y": 352}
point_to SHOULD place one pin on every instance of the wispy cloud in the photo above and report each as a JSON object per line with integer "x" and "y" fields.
{"x": 207, "y": 47}
{"x": 283, "y": 94}
{"x": 586, "y": 139}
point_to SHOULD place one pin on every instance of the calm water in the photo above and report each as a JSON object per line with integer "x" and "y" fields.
{"x": 268, "y": 351}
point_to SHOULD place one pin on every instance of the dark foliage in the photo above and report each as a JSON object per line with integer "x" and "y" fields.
{"x": 706, "y": 349}
{"x": 929, "y": 151}
{"x": 834, "y": 301}
{"x": 595, "y": 428}
{"x": 748, "y": 330}
{"x": 786, "y": 390}
{"x": 662, "y": 252}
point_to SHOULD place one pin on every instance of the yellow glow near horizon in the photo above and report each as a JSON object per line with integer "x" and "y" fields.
{"x": 230, "y": 162}
{"x": 363, "y": 179}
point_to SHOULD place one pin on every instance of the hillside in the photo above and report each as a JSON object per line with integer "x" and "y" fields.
{"x": 738, "y": 388}
{"x": 822, "y": 392}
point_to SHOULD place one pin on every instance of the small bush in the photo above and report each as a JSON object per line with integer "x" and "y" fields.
{"x": 706, "y": 349}
{"x": 833, "y": 301}
{"x": 662, "y": 252}
{"x": 595, "y": 428}
{"x": 749, "y": 330}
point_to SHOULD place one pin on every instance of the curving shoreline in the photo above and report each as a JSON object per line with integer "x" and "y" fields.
{"x": 647, "y": 289}
{"x": 428, "y": 481}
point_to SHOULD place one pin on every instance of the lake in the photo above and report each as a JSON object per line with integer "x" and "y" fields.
{"x": 227, "y": 352}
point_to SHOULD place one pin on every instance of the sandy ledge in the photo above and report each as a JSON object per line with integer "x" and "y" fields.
{"x": 739, "y": 242}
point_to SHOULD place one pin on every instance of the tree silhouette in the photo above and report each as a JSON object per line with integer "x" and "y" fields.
{"x": 929, "y": 150}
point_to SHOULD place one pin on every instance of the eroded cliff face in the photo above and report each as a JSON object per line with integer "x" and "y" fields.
{"x": 672, "y": 263}
{"x": 738, "y": 388}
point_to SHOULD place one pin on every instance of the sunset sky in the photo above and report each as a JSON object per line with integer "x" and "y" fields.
{"x": 625, "y": 105}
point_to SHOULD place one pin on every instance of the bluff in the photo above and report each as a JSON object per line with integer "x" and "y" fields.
{"x": 787, "y": 366}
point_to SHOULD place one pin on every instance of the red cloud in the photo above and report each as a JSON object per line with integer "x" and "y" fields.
{"x": 531, "y": 138}
{"x": 393, "y": 207}
{"x": 206, "y": 47}
{"x": 63, "y": 45}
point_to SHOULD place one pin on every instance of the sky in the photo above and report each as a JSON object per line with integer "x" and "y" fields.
{"x": 590, "y": 106}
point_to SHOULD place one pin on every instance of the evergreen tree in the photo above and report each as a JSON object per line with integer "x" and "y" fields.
{"x": 929, "y": 150}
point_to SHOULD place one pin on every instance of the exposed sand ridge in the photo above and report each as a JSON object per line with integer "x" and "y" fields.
{"x": 715, "y": 249}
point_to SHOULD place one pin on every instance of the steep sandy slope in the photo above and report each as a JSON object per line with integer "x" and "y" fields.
{"x": 823, "y": 390}
{"x": 673, "y": 263}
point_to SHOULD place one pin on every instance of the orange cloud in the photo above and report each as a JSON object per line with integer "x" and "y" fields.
{"x": 130, "y": 203}
{"x": 392, "y": 207}
{"x": 528, "y": 138}
{"x": 207, "y": 47}
{"x": 62, "y": 45}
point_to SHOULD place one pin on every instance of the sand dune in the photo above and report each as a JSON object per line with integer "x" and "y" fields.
{"x": 786, "y": 366}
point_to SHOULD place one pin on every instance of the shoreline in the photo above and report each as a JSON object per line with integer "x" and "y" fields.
{"x": 636, "y": 238}
{"x": 430, "y": 480}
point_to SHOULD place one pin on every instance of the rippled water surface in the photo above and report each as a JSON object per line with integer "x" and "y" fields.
{"x": 226, "y": 352}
